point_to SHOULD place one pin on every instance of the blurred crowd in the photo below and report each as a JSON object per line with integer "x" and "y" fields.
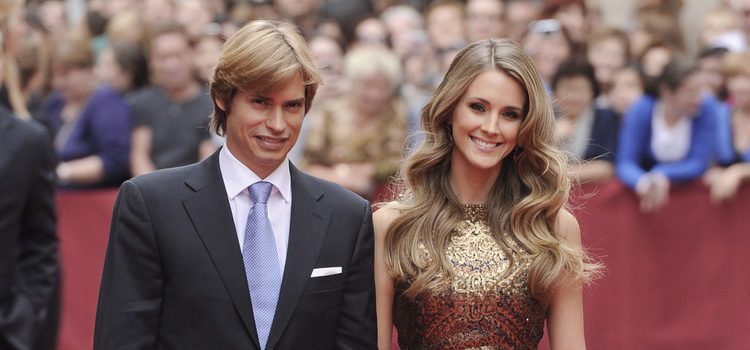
{"x": 121, "y": 85}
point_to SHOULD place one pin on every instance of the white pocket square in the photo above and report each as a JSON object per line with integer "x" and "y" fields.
{"x": 325, "y": 271}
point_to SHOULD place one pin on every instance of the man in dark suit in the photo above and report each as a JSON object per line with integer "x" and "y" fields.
{"x": 28, "y": 238}
{"x": 242, "y": 250}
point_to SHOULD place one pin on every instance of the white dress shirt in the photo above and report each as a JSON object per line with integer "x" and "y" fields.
{"x": 237, "y": 178}
{"x": 669, "y": 143}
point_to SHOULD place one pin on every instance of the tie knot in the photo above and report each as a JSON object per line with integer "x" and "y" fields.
{"x": 260, "y": 191}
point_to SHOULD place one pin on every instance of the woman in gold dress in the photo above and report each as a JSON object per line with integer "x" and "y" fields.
{"x": 478, "y": 251}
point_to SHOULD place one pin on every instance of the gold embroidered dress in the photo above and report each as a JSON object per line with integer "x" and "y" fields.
{"x": 485, "y": 307}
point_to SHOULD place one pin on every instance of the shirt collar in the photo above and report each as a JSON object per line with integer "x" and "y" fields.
{"x": 237, "y": 177}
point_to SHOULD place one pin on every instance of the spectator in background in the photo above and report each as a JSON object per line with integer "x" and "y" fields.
{"x": 171, "y": 115}
{"x": 370, "y": 31}
{"x": 547, "y": 45}
{"x": 444, "y": 21}
{"x": 709, "y": 64}
{"x": 607, "y": 50}
{"x": 405, "y": 27}
{"x": 194, "y": 16}
{"x": 627, "y": 87}
{"x": 91, "y": 123}
{"x": 33, "y": 60}
{"x": 206, "y": 52}
{"x": 654, "y": 27}
{"x": 484, "y": 19}
{"x": 53, "y": 16}
{"x": 668, "y": 138}
{"x": 667, "y": 7}
{"x": 122, "y": 66}
{"x": 420, "y": 75}
{"x": 126, "y": 26}
{"x": 742, "y": 8}
{"x": 329, "y": 57}
{"x": 346, "y": 14}
{"x": 518, "y": 14}
{"x": 721, "y": 28}
{"x": 357, "y": 140}
{"x": 572, "y": 17}
{"x": 155, "y": 12}
{"x": 303, "y": 13}
{"x": 655, "y": 57}
{"x": 733, "y": 132}
{"x": 585, "y": 131}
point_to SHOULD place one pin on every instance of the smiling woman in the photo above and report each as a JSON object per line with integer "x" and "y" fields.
{"x": 478, "y": 250}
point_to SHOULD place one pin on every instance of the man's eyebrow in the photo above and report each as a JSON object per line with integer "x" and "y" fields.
{"x": 296, "y": 100}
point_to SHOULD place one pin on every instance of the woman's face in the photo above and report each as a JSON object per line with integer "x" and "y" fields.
{"x": 485, "y": 124}
{"x": 73, "y": 83}
{"x": 607, "y": 56}
{"x": 686, "y": 98}
{"x": 626, "y": 88}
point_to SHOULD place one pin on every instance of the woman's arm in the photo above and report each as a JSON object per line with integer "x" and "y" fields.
{"x": 632, "y": 140}
{"x": 565, "y": 315}
{"x": 384, "y": 288}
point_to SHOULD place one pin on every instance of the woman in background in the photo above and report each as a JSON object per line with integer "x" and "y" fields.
{"x": 478, "y": 251}
{"x": 91, "y": 123}
{"x": 668, "y": 138}
{"x": 586, "y": 131}
{"x": 356, "y": 140}
{"x": 733, "y": 132}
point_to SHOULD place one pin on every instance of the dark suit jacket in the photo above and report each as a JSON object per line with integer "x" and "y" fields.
{"x": 28, "y": 239}
{"x": 174, "y": 277}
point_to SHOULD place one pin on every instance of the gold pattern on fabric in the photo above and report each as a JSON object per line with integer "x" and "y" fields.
{"x": 488, "y": 304}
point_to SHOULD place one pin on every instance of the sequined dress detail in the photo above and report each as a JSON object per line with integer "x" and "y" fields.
{"x": 488, "y": 304}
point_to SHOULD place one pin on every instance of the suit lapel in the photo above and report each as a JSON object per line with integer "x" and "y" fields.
{"x": 211, "y": 215}
{"x": 307, "y": 231}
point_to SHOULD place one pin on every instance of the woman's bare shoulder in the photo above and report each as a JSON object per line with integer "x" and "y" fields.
{"x": 567, "y": 227}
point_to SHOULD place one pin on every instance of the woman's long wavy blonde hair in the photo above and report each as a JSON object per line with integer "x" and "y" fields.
{"x": 524, "y": 201}
{"x": 9, "y": 10}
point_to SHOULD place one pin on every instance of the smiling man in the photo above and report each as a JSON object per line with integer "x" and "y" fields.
{"x": 242, "y": 250}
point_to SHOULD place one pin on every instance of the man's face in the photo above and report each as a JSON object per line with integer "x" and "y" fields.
{"x": 170, "y": 61}
{"x": 262, "y": 127}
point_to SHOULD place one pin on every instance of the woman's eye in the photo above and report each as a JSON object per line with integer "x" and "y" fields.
{"x": 258, "y": 101}
{"x": 478, "y": 107}
{"x": 512, "y": 115}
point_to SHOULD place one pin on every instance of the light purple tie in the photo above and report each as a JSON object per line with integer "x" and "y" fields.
{"x": 261, "y": 261}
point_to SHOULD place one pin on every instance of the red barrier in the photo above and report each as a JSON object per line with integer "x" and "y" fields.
{"x": 83, "y": 227}
{"x": 675, "y": 279}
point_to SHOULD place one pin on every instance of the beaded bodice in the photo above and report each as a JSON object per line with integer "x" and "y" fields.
{"x": 488, "y": 304}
